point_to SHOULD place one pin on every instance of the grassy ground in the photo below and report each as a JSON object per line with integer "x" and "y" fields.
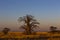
{"x": 21, "y": 35}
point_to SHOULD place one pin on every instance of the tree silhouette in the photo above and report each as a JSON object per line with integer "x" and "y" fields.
{"x": 29, "y": 23}
{"x": 53, "y": 29}
{"x": 5, "y": 31}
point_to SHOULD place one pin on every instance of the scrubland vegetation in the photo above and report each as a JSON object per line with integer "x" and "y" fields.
{"x": 29, "y": 24}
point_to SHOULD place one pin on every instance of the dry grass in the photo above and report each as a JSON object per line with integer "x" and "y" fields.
{"x": 21, "y": 35}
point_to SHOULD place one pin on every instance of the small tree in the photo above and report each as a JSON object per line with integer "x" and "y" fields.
{"x": 53, "y": 29}
{"x": 29, "y": 23}
{"x": 5, "y": 31}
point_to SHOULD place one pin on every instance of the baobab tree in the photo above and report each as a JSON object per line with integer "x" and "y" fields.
{"x": 29, "y": 23}
{"x": 5, "y": 31}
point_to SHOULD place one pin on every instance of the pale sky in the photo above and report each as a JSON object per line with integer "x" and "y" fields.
{"x": 47, "y": 11}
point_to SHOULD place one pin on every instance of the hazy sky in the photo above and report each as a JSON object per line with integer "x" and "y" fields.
{"x": 47, "y": 11}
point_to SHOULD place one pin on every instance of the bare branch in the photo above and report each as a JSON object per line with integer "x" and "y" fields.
{"x": 30, "y": 23}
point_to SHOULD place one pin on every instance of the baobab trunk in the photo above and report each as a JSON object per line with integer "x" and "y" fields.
{"x": 28, "y": 26}
{"x": 28, "y": 29}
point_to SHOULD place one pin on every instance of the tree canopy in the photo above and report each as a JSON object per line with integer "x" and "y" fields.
{"x": 29, "y": 23}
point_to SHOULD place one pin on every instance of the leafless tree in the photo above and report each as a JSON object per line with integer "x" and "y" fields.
{"x": 29, "y": 23}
